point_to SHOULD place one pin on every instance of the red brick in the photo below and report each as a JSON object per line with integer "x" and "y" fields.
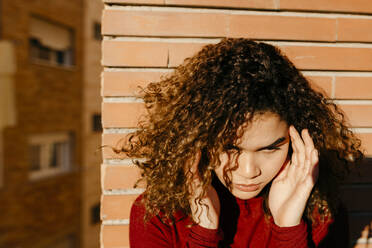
{"x": 350, "y": 29}
{"x": 113, "y": 140}
{"x": 138, "y": 53}
{"x": 358, "y": 115}
{"x": 353, "y": 87}
{"x": 366, "y": 142}
{"x": 115, "y": 207}
{"x": 115, "y": 236}
{"x": 120, "y": 176}
{"x": 283, "y": 27}
{"x": 267, "y": 4}
{"x": 122, "y": 114}
{"x": 179, "y": 51}
{"x": 259, "y": 4}
{"x": 156, "y": 23}
{"x": 135, "y": 1}
{"x": 304, "y": 57}
{"x": 330, "y": 58}
{"x": 363, "y": 6}
{"x": 322, "y": 84}
{"x": 127, "y": 83}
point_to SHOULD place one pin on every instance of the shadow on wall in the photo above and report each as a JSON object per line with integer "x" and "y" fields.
{"x": 356, "y": 194}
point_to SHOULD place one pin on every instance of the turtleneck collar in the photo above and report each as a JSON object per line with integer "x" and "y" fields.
{"x": 248, "y": 206}
{"x": 252, "y": 201}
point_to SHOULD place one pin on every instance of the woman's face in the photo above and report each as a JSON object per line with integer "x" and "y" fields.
{"x": 263, "y": 151}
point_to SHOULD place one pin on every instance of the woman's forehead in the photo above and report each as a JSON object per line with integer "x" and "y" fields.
{"x": 263, "y": 129}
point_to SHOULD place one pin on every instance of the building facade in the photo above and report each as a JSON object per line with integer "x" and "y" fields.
{"x": 41, "y": 129}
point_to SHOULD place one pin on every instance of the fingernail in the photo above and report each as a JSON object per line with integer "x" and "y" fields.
{"x": 306, "y": 132}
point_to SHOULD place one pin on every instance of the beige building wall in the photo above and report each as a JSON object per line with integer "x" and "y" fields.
{"x": 91, "y": 138}
{"x": 40, "y": 197}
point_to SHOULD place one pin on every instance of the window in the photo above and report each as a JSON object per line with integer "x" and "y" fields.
{"x": 97, "y": 31}
{"x": 50, "y": 154}
{"x": 50, "y": 43}
{"x": 95, "y": 214}
{"x": 96, "y": 123}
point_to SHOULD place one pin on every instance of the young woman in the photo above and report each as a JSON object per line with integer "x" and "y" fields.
{"x": 239, "y": 151}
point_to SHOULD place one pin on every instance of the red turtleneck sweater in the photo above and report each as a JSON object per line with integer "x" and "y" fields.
{"x": 242, "y": 224}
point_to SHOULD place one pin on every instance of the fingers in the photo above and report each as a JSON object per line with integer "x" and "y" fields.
{"x": 309, "y": 144}
{"x": 304, "y": 153}
{"x": 314, "y": 157}
{"x": 298, "y": 147}
{"x": 311, "y": 151}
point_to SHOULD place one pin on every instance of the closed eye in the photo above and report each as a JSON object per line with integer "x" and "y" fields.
{"x": 272, "y": 148}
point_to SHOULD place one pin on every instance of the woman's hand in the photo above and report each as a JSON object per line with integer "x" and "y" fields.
{"x": 206, "y": 212}
{"x": 291, "y": 188}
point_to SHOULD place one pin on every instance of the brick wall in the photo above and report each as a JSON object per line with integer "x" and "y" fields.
{"x": 330, "y": 41}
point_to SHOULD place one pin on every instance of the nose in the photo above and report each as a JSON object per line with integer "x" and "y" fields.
{"x": 248, "y": 167}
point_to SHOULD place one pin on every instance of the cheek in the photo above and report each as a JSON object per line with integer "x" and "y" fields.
{"x": 272, "y": 163}
{"x": 279, "y": 160}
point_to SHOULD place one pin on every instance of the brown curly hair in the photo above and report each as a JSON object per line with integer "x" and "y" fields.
{"x": 202, "y": 104}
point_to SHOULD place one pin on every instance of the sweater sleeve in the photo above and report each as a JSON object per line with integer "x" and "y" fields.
{"x": 299, "y": 236}
{"x": 294, "y": 236}
{"x": 203, "y": 237}
{"x": 157, "y": 234}
{"x": 153, "y": 233}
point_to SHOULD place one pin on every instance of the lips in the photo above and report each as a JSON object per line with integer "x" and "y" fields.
{"x": 247, "y": 187}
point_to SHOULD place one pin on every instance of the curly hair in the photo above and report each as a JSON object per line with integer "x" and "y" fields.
{"x": 202, "y": 104}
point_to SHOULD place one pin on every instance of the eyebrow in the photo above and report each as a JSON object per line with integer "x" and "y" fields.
{"x": 274, "y": 144}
